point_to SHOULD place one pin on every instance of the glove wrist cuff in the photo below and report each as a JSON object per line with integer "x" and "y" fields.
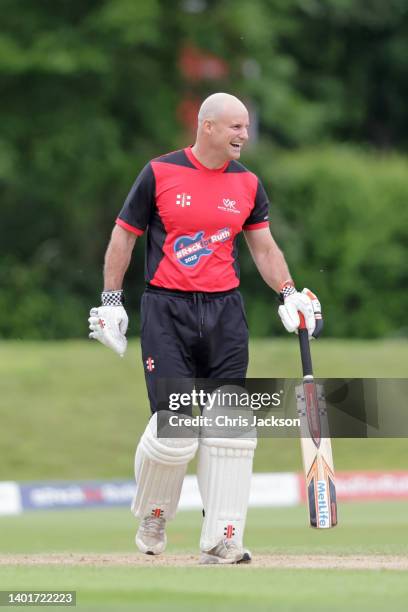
{"x": 113, "y": 298}
{"x": 287, "y": 288}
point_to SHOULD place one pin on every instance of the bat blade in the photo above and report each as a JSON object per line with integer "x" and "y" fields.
{"x": 321, "y": 492}
{"x": 317, "y": 457}
{"x": 312, "y": 412}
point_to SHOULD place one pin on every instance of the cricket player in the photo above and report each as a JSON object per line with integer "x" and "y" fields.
{"x": 193, "y": 204}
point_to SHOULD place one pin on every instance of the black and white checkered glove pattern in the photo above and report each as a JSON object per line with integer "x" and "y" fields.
{"x": 287, "y": 290}
{"x": 305, "y": 302}
{"x": 112, "y": 298}
{"x": 108, "y": 323}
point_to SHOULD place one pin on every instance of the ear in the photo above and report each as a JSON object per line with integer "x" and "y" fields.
{"x": 207, "y": 126}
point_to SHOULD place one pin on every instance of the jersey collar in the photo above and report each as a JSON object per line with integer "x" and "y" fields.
{"x": 199, "y": 165}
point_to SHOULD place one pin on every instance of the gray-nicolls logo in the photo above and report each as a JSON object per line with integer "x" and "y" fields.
{"x": 183, "y": 199}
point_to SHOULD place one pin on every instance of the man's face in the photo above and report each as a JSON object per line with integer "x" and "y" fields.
{"x": 229, "y": 132}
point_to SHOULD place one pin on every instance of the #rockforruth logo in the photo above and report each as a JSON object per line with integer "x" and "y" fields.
{"x": 189, "y": 249}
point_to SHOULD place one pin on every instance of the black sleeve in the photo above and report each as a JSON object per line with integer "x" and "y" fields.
{"x": 140, "y": 202}
{"x": 260, "y": 211}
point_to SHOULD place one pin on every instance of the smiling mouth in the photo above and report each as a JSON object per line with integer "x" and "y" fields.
{"x": 236, "y": 146}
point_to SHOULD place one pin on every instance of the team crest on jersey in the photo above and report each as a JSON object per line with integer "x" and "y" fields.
{"x": 229, "y": 206}
{"x": 183, "y": 199}
{"x": 190, "y": 249}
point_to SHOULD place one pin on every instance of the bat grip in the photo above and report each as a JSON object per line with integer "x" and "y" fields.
{"x": 304, "y": 347}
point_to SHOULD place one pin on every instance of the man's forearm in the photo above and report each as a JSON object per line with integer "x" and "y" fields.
{"x": 273, "y": 268}
{"x": 268, "y": 258}
{"x": 117, "y": 258}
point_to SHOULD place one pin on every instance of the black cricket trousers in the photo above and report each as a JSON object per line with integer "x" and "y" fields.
{"x": 188, "y": 335}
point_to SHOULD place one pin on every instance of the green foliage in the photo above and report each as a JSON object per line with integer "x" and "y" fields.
{"x": 90, "y": 93}
{"x": 339, "y": 215}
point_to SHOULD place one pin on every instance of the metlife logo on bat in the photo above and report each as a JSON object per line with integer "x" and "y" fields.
{"x": 324, "y": 517}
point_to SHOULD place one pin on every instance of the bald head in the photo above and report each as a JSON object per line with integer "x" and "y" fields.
{"x": 223, "y": 124}
{"x": 218, "y": 105}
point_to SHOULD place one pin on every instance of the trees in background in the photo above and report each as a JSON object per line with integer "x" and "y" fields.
{"x": 92, "y": 90}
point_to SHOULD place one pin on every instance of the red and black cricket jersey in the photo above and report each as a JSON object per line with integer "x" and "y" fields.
{"x": 193, "y": 217}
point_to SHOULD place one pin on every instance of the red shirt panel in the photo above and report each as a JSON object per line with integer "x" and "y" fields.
{"x": 194, "y": 216}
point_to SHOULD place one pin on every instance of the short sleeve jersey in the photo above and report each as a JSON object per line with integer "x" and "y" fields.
{"x": 193, "y": 216}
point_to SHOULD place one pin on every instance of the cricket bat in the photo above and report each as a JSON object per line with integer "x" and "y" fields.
{"x": 315, "y": 443}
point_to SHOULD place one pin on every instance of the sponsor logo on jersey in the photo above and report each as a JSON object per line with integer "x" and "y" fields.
{"x": 229, "y": 206}
{"x": 183, "y": 199}
{"x": 190, "y": 249}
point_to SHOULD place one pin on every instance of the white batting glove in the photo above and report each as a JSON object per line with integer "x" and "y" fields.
{"x": 109, "y": 323}
{"x": 305, "y": 302}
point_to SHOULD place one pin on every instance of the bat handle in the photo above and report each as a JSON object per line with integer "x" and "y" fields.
{"x": 304, "y": 347}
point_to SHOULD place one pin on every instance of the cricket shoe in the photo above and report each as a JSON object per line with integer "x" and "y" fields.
{"x": 225, "y": 552}
{"x": 151, "y": 537}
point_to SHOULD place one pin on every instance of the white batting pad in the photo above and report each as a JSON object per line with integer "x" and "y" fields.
{"x": 224, "y": 477}
{"x": 160, "y": 467}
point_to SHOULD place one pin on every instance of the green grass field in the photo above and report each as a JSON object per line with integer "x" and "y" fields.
{"x": 74, "y": 410}
{"x": 379, "y": 529}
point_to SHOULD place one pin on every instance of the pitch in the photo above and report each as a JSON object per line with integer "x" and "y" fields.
{"x": 262, "y": 560}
